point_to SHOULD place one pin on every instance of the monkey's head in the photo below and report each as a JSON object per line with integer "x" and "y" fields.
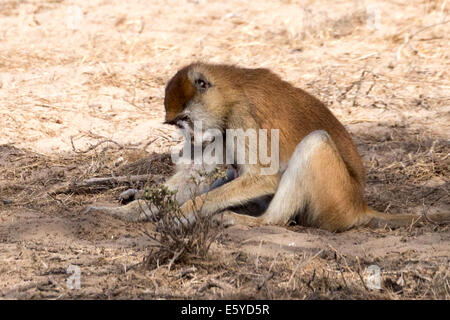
{"x": 198, "y": 92}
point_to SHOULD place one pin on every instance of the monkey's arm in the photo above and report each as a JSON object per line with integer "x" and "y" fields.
{"x": 182, "y": 182}
{"x": 141, "y": 210}
{"x": 239, "y": 191}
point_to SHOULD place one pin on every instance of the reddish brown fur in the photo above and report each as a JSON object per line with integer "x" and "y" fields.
{"x": 323, "y": 180}
{"x": 179, "y": 90}
{"x": 296, "y": 113}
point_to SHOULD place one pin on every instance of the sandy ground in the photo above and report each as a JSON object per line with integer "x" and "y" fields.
{"x": 73, "y": 74}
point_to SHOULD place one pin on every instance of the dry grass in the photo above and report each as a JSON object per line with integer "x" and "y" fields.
{"x": 227, "y": 271}
{"x": 85, "y": 100}
{"x": 177, "y": 238}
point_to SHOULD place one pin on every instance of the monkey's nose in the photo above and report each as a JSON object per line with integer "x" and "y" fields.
{"x": 170, "y": 121}
{"x": 179, "y": 117}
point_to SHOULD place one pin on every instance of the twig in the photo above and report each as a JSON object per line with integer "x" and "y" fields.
{"x": 359, "y": 84}
{"x": 185, "y": 272}
{"x": 106, "y": 181}
{"x": 94, "y": 146}
{"x": 409, "y": 37}
{"x": 175, "y": 258}
{"x": 215, "y": 284}
{"x": 266, "y": 278}
{"x": 303, "y": 263}
{"x": 425, "y": 214}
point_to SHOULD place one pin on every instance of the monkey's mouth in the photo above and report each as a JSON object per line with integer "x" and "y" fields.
{"x": 182, "y": 121}
{"x": 186, "y": 128}
{"x": 185, "y": 124}
{"x": 194, "y": 135}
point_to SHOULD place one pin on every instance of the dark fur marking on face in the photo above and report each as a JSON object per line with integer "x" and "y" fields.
{"x": 179, "y": 91}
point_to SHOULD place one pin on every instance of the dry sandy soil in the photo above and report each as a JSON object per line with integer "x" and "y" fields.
{"x": 81, "y": 91}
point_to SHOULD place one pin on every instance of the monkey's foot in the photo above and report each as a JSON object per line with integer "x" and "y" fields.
{"x": 223, "y": 219}
{"x": 229, "y": 218}
{"x": 135, "y": 211}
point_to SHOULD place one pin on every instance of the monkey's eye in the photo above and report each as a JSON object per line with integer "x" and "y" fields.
{"x": 201, "y": 84}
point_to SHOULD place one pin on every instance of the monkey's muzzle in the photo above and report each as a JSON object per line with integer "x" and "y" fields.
{"x": 180, "y": 121}
{"x": 184, "y": 123}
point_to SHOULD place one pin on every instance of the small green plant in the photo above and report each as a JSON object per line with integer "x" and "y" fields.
{"x": 177, "y": 237}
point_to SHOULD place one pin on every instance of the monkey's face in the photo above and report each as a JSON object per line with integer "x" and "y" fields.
{"x": 193, "y": 97}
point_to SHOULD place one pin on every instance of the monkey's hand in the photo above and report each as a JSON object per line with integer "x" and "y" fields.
{"x": 130, "y": 195}
{"x": 138, "y": 210}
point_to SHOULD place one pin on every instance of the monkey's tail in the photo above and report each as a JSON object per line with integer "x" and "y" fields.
{"x": 381, "y": 220}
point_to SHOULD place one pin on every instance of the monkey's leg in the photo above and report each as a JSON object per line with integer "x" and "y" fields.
{"x": 135, "y": 194}
{"x": 237, "y": 192}
{"x": 316, "y": 188}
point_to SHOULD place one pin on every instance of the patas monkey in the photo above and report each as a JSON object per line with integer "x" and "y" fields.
{"x": 320, "y": 180}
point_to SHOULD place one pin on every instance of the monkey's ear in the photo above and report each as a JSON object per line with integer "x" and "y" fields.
{"x": 201, "y": 83}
